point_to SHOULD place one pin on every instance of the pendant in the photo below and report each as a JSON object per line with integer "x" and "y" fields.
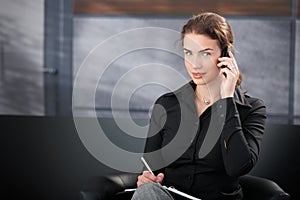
{"x": 206, "y": 101}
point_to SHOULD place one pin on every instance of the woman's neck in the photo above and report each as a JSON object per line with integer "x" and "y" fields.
{"x": 208, "y": 92}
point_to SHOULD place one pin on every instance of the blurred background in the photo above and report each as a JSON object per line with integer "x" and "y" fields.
{"x": 43, "y": 43}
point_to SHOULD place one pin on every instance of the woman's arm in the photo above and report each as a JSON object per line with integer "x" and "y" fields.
{"x": 240, "y": 141}
{"x": 153, "y": 143}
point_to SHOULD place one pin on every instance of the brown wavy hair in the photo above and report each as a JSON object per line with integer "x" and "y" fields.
{"x": 213, "y": 25}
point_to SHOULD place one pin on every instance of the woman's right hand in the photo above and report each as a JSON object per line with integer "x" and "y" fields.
{"x": 147, "y": 177}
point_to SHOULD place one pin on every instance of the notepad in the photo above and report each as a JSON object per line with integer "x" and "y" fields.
{"x": 171, "y": 189}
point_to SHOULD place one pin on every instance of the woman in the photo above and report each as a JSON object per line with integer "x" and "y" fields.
{"x": 216, "y": 127}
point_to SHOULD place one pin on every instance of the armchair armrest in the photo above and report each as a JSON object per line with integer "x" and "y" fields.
{"x": 109, "y": 187}
{"x": 112, "y": 187}
{"x": 261, "y": 188}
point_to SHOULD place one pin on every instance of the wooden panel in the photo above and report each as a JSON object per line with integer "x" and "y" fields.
{"x": 179, "y": 7}
{"x": 298, "y": 3}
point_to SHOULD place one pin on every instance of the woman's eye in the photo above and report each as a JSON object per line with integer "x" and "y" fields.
{"x": 206, "y": 54}
{"x": 188, "y": 53}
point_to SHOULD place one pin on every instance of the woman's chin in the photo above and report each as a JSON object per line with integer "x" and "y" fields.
{"x": 199, "y": 81}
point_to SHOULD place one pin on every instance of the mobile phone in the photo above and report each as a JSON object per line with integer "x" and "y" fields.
{"x": 224, "y": 53}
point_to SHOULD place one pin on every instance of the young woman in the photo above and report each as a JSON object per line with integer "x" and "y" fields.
{"x": 206, "y": 134}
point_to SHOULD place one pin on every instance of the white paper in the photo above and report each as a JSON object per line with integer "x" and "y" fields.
{"x": 171, "y": 189}
{"x": 181, "y": 193}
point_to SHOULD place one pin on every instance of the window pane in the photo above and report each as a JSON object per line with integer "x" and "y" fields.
{"x": 179, "y": 7}
{"x": 266, "y": 73}
{"x": 263, "y": 54}
{"x": 21, "y": 57}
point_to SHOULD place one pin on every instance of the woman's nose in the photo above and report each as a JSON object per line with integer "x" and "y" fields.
{"x": 197, "y": 62}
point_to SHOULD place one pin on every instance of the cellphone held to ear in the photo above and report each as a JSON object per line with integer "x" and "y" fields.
{"x": 224, "y": 53}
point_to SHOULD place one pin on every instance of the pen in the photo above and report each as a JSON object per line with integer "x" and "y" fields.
{"x": 169, "y": 188}
{"x": 149, "y": 169}
{"x": 147, "y": 166}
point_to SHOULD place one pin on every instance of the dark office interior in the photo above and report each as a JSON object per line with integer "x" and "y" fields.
{"x": 67, "y": 62}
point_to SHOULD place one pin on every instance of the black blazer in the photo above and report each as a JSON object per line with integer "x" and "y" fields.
{"x": 204, "y": 155}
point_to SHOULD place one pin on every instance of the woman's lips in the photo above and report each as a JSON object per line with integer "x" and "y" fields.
{"x": 197, "y": 75}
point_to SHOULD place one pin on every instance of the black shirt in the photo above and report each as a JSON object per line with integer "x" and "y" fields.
{"x": 204, "y": 155}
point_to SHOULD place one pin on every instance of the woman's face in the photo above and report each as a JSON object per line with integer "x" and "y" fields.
{"x": 201, "y": 55}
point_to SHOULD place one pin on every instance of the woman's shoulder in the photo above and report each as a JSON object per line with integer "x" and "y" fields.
{"x": 255, "y": 101}
{"x": 167, "y": 100}
{"x": 253, "y": 105}
{"x": 174, "y": 97}
{"x": 242, "y": 97}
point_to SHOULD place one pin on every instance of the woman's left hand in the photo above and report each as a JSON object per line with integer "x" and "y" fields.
{"x": 229, "y": 75}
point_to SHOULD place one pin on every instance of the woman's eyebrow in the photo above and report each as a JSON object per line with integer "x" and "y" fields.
{"x": 207, "y": 49}
{"x": 186, "y": 49}
{"x": 202, "y": 50}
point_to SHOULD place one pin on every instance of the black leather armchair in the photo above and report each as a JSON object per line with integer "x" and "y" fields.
{"x": 112, "y": 187}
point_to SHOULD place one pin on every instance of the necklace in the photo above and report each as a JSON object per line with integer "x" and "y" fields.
{"x": 205, "y": 101}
